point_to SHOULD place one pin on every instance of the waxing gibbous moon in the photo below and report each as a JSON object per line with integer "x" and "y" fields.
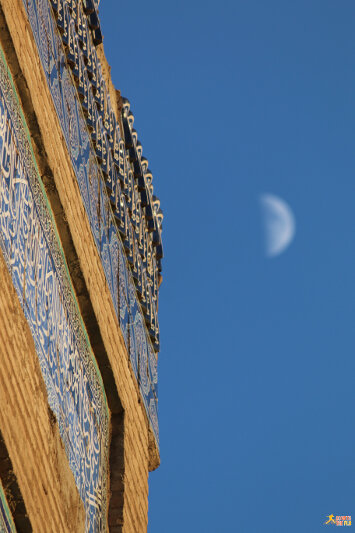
{"x": 279, "y": 224}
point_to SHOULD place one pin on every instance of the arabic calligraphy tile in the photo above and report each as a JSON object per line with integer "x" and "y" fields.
{"x": 32, "y": 253}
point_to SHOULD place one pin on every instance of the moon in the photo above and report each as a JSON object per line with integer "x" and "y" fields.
{"x": 279, "y": 224}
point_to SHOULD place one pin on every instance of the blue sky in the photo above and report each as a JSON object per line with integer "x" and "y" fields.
{"x": 256, "y": 389}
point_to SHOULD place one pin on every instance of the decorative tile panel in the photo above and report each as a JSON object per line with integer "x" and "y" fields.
{"x": 36, "y": 262}
{"x": 6, "y": 522}
{"x": 113, "y": 177}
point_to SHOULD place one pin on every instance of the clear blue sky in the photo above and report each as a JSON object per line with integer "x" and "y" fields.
{"x": 256, "y": 372}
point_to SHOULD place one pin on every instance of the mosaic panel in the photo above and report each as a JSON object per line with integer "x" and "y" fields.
{"x": 35, "y": 259}
{"x": 6, "y": 522}
{"x": 113, "y": 178}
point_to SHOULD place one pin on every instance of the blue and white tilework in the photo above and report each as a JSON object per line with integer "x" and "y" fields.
{"x": 6, "y": 522}
{"x": 33, "y": 254}
{"x": 130, "y": 254}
